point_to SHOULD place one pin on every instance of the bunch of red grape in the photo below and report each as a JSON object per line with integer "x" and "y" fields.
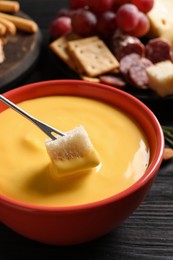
{"x": 103, "y": 17}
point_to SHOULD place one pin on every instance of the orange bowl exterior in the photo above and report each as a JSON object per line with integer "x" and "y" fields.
{"x": 78, "y": 224}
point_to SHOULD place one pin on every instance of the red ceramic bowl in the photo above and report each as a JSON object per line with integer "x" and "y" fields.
{"x": 77, "y": 224}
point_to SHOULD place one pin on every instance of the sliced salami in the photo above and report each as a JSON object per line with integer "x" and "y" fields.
{"x": 113, "y": 80}
{"x": 123, "y": 44}
{"x": 158, "y": 50}
{"x": 127, "y": 61}
{"x": 137, "y": 73}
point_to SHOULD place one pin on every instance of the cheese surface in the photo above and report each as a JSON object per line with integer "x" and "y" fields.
{"x": 25, "y": 173}
{"x": 161, "y": 20}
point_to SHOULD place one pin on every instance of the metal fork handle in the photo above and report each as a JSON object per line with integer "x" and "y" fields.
{"x": 44, "y": 127}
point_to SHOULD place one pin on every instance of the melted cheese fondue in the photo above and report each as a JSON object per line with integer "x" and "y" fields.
{"x": 25, "y": 165}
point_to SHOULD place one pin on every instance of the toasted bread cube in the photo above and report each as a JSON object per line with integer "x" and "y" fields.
{"x": 160, "y": 77}
{"x": 72, "y": 153}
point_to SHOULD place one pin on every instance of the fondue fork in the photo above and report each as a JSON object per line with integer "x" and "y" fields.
{"x": 48, "y": 130}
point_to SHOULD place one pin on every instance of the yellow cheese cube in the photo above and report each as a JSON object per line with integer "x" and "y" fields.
{"x": 161, "y": 20}
{"x": 160, "y": 77}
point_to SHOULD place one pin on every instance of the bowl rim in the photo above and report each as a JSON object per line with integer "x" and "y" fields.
{"x": 149, "y": 173}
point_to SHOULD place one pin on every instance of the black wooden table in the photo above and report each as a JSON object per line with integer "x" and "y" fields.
{"x": 148, "y": 233}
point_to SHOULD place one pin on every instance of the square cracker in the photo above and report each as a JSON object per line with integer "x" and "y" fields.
{"x": 59, "y": 47}
{"x": 90, "y": 79}
{"x": 93, "y": 56}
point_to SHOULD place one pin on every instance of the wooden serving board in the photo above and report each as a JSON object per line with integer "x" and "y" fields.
{"x": 21, "y": 52}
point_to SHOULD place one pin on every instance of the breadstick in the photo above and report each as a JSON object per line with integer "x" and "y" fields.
{"x": 21, "y": 23}
{"x": 2, "y": 29}
{"x": 9, "y": 6}
{"x": 2, "y": 56}
{"x": 10, "y": 27}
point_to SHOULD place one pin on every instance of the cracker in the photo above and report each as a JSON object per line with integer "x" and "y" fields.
{"x": 93, "y": 56}
{"x": 90, "y": 79}
{"x": 59, "y": 47}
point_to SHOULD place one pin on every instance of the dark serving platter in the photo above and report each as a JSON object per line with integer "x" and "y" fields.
{"x": 21, "y": 52}
{"x": 142, "y": 94}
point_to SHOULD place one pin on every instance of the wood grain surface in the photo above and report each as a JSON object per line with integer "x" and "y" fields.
{"x": 148, "y": 233}
{"x": 21, "y": 52}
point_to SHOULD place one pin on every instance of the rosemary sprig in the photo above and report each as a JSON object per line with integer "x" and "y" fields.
{"x": 168, "y": 134}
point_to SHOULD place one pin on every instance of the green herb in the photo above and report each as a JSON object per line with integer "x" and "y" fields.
{"x": 168, "y": 134}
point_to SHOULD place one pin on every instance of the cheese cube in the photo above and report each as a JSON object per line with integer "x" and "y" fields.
{"x": 160, "y": 78}
{"x": 161, "y": 20}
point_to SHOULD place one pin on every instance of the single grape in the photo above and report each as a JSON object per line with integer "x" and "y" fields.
{"x": 143, "y": 5}
{"x": 127, "y": 17}
{"x": 84, "y": 22}
{"x": 118, "y": 3}
{"x": 142, "y": 27}
{"x": 106, "y": 24}
{"x": 75, "y": 4}
{"x": 100, "y": 6}
{"x": 124, "y": 1}
{"x": 64, "y": 12}
{"x": 60, "y": 26}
